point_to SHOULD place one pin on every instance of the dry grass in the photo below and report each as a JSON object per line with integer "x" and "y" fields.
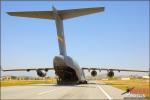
{"x": 26, "y": 82}
{"x": 124, "y": 84}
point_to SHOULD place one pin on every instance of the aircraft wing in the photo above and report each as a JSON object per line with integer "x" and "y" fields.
{"x": 28, "y": 69}
{"x": 107, "y": 69}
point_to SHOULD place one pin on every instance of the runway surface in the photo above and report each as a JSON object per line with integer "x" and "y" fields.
{"x": 45, "y": 91}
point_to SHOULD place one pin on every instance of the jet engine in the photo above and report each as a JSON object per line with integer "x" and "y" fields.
{"x": 110, "y": 74}
{"x": 93, "y": 73}
{"x": 41, "y": 73}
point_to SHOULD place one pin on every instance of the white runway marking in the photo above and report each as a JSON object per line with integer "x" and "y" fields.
{"x": 107, "y": 95}
{"x": 47, "y": 91}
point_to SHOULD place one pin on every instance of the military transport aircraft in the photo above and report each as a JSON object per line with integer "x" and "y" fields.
{"x": 65, "y": 67}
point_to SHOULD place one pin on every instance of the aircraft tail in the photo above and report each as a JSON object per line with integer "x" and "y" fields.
{"x": 58, "y": 16}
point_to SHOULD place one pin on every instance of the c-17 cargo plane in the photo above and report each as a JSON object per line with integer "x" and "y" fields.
{"x": 65, "y": 67}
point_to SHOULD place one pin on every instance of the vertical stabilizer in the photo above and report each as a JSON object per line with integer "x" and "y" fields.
{"x": 60, "y": 32}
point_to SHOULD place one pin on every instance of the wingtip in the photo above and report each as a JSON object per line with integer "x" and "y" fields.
{"x": 9, "y": 13}
{"x": 102, "y": 8}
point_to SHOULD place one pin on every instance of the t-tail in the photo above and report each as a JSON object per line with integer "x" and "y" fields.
{"x": 59, "y": 16}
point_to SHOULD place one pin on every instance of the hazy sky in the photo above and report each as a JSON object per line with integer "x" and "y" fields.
{"x": 115, "y": 38}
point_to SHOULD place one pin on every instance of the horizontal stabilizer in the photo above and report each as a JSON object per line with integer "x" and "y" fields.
{"x": 34, "y": 14}
{"x": 63, "y": 14}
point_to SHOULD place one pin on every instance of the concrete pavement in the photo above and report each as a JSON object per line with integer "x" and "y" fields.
{"x": 46, "y": 91}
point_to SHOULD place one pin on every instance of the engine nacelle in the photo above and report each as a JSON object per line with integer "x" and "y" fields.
{"x": 93, "y": 73}
{"x": 110, "y": 74}
{"x": 41, "y": 73}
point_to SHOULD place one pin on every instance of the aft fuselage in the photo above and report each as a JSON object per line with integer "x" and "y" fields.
{"x": 67, "y": 69}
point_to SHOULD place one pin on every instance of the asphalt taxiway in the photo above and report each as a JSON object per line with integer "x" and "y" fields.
{"x": 92, "y": 90}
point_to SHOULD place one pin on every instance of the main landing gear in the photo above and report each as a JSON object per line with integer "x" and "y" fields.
{"x": 82, "y": 82}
